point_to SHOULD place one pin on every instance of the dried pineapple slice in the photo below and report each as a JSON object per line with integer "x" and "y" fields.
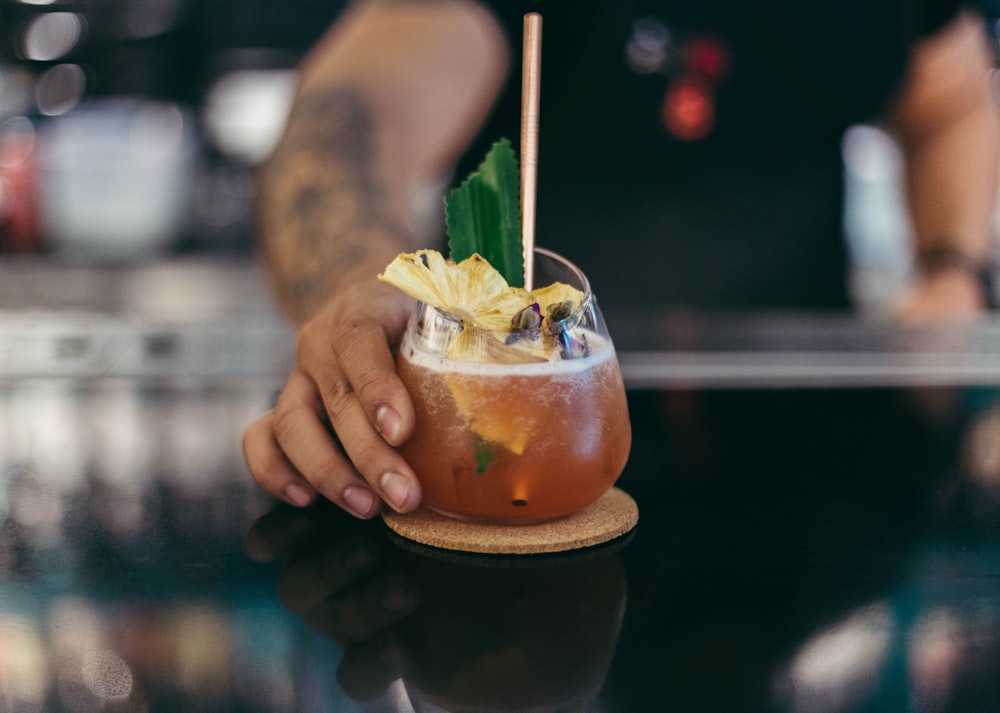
{"x": 478, "y": 294}
{"x": 478, "y": 345}
{"x": 555, "y": 293}
{"x": 471, "y": 289}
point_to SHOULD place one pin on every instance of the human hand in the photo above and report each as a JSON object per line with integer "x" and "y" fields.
{"x": 463, "y": 629}
{"x": 342, "y": 411}
{"x": 944, "y": 294}
{"x": 338, "y": 573}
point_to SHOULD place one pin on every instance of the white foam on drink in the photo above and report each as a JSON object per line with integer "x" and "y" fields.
{"x": 600, "y": 351}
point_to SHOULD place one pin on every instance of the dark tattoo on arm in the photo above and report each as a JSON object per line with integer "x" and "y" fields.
{"x": 323, "y": 208}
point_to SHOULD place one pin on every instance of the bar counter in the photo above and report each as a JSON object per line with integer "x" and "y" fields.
{"x": 819, "y": 526}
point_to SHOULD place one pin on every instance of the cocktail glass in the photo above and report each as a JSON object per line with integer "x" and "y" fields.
{"x": 505, "y": 436}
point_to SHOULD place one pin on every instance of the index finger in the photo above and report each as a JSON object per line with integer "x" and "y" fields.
{"x": 369, "y": 365}
{"x": 360, "y": 349}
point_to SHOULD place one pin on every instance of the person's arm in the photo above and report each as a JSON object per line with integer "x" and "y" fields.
{"x": 386, "y": 103}
{"x": 947, "y": 123}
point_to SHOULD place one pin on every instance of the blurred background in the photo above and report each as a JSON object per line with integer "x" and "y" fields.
{"x": 137, "y": 337}
{"x": 130, "y": 129}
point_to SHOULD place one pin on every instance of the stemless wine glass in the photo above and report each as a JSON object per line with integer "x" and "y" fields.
{"x": 505, "y": 436}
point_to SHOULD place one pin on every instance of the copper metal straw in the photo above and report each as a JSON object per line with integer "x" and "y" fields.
{"x": 531, "y": 71}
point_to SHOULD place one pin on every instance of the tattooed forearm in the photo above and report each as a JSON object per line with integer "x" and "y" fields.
{"x": 323, "y": 209}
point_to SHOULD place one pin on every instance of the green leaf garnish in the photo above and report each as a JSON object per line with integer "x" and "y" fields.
{"x": 484, "y": 455}
{"x": 483, "y": 215}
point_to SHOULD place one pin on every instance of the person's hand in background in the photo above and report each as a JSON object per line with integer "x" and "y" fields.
{"x": 946, "y": 121}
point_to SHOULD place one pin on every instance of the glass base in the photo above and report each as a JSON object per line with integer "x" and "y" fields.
{"x": 512, "y": 521}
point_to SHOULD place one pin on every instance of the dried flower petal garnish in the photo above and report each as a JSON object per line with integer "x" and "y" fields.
{"x": 528, "y": 318}
{"x": 558, "y": 311}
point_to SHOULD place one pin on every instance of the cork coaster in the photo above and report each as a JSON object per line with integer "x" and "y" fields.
{"x": 612, "y": 515}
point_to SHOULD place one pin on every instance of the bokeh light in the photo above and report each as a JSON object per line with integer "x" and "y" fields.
{"x": 60, "y": 89}
{"x": 646, "y": 49}
{"x": 107, "y": 675}
{"x": 52, "y": 35}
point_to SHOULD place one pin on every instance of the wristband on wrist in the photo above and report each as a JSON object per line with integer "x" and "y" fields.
{"x": 938, "y": 257}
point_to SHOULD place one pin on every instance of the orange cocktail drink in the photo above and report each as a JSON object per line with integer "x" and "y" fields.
{"x": 511, "y": 430}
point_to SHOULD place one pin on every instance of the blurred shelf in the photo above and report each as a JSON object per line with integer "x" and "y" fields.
{"x": 182, "y": 317}
{"x": 176, "y": 288}
{"x": 214, "y": 318}
{"x": 673, "y": 350}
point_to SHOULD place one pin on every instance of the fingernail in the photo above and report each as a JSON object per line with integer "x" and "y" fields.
{"x": 297, "y": 495}
{"x": 388, "y": 423}
{"x": 359, "y": 500}
{"x": 397, "y": 489}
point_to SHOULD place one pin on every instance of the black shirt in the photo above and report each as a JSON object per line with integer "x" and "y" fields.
{"x": 689, "y": 151}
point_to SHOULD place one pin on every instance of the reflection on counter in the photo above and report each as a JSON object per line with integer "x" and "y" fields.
{"x": 790, "y": 560}
{"x": 808, "y": 550}
{"x": 461, "y": 632}
{"x": 123, "y": 580}
{"x": 802, "y": 549}
{"x": 125, "y": 655}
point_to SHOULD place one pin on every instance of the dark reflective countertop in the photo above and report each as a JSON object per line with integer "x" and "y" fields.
{"x": 819, "y": 532}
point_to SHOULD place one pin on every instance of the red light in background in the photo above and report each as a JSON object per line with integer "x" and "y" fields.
{"x": 706, "y": 57}
{"x": 689, "y": 108}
